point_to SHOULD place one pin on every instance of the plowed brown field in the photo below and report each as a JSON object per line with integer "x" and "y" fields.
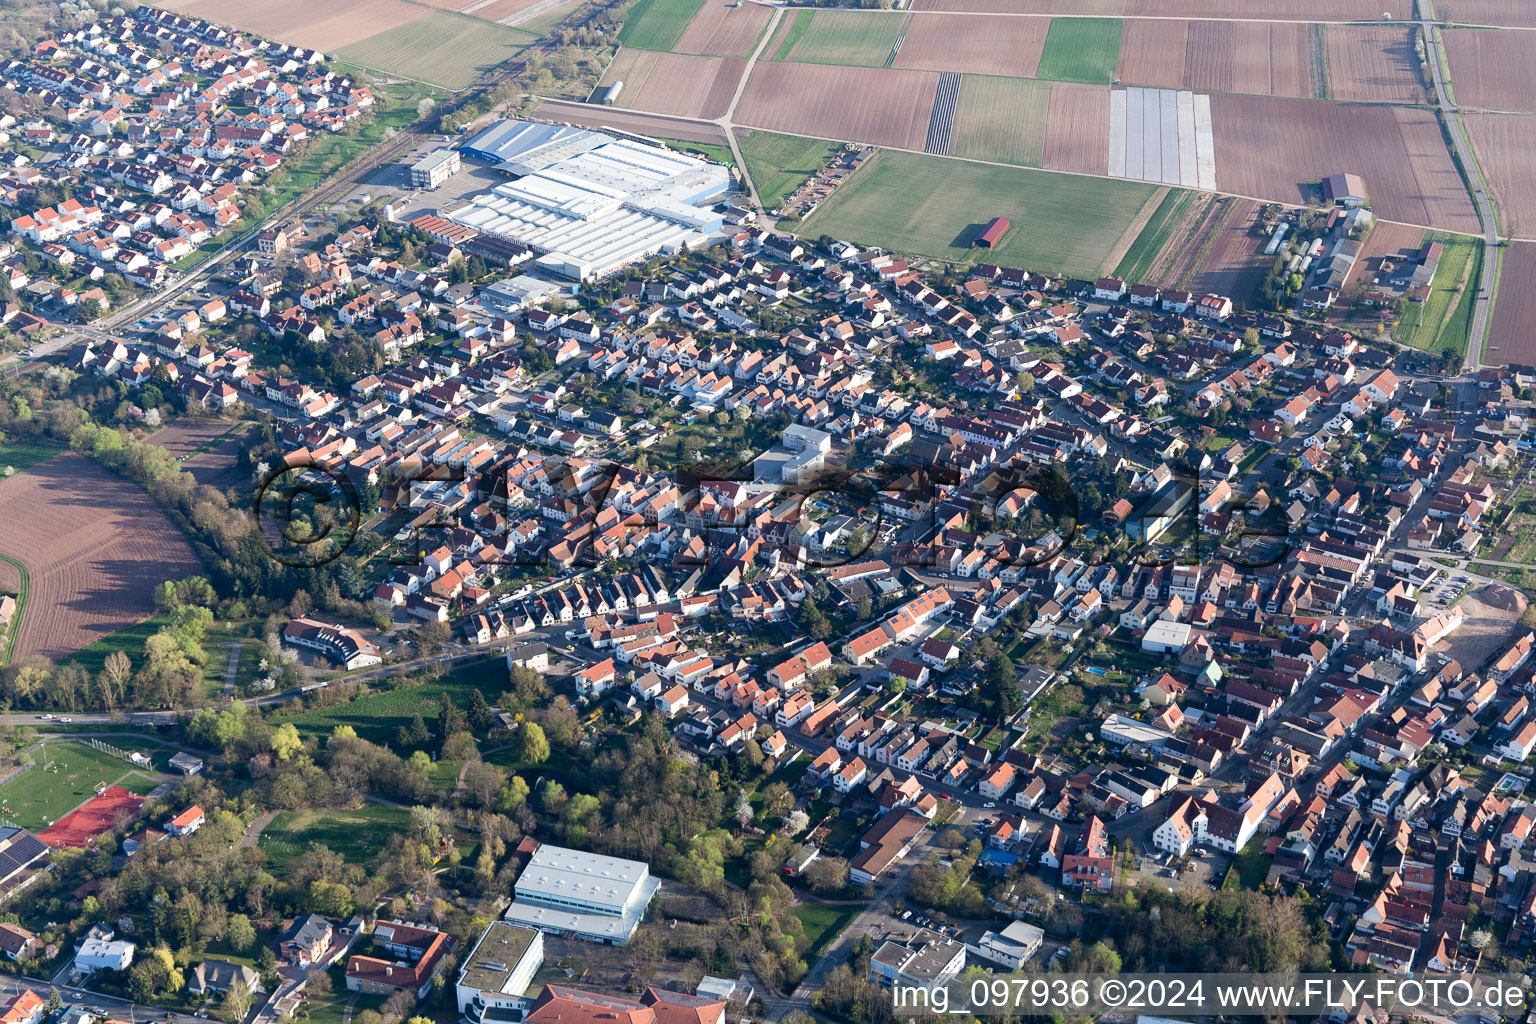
{"x": 1515, "y": 309}
{"x": 95, "y": 546}
{"x": 1217, "y": 56}
{"x": 1374, "y": 64}
{"x": 874, "y": 105}
{"x": 1505, "y": 144}
{"x": 327, "y": 26}
{"x": 722, "y": 31}
{"x": 631, "y": 121}
{"x": 1508, "y": 13}
{"x": 1274, "y": 10}
{"x": 1077, "y": 128}
{"x": 1492, "y": 69}
{"x": 977, "y": 45}
{"x": 1275, "y": 149}
{"x": 1235, "y": 264}
{"x": 675, "y": 83}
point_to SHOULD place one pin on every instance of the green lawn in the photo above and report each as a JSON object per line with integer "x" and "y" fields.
{"x": 823, "y": 924}
{"x": 130, "y": 641}
{"x": 935, "y": 206}
{"x": 39, "y": 796}
{"x": 708, "y": 150}
{"x": 441, "y": 48}
{"x": 1443, "y": 322}
{"x": 797, "y": 30}
{"x": 1001, "y": 119}
{"x": 23, "y": 595}
{"x": 358, "y": 834}
{"x": 1138, "y": 259}
{"x": 657, "y": 24}
{"x": 21, "y": 455}
{"x": 779, "y": 164}
{"x": 861, "y": 38}
{"x": 1081, "y": 50}
{"x": 378, "y": 717}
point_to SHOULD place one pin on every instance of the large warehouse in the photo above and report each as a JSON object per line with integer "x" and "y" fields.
{"x": 601, "y": 899}
{"x": 588, "y": 203}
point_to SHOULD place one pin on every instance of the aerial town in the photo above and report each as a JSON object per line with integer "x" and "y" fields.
{"x": 487, "y": 540}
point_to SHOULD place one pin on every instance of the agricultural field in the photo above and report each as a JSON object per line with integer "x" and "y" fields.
{"x": 1277, "y": 149}
{"x": 378, "y": 717}
{"x": 1081, "y": 50}
{"x": 851, "y": 104}
{"x": 358, "y": 834}
{"x": 779, "y": 164}
{"x": 1442, "y": 323}
{"x": 719, "y": 30}
{"x": 443, "y": 49}
{"x": 1001, "y": 119}
{"x": 1510, "y": 338}
{"x": 504, "y": 12}
{"x": 1266, "y": 59}
{"x": 1077, "y": 129}
{"x": 1235, "y": 263}
{"x": 1504, "y": 144}
{"x": 674, "y": 83}
{"x": 1278, "y": 10}
{"x": 1504, "y": 13}
{"x": 1491, "y": 69}
{"x": 859, "y": 38}
{"x": 1170, "y": 212}
{"x": 1373, "y": 64}
{"x": 95, "y": 545}
{"x": 658, "y": 125}
{"x": 39, "y": 797}
{"x": 330, "y": 26}
{"x": 719, "y": 153}
{"x": 1061, "y": 224}
{"x": 658, "y": 24}
{"x": 974, "y": 44}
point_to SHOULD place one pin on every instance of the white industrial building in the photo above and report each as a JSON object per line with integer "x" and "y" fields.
{"x": 588, "y": 203}
{"x": 435, "y": 168}
{"x": 601, "y": 899}
{"x": 497, "y": 972}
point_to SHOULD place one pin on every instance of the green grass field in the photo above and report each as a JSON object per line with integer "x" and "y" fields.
{"x": 935, "y": 206}
{"x": 1139, "y": 258}
{"x": 441, "y": 48}
{"x": 1001, "y": 119}
{"x": 358, "y": 835}
{"x": 1081, "y": 50}
{"x": 823, "y": 924}
{"x": 37, "y": 798}
{"x": 719, "y": 154}
{"x": 657, "y": 24}
{"x": 130, "y": 641}
{"x": 18, "y": 456}
{"x": 1444, "y": 321}
{"x": 797, "y": 30}
{"x": 861, "y": 38}
{"x": 379, "y": 716}
{"x": 779, "y": 164}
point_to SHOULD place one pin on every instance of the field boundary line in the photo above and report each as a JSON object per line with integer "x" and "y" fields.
{"x": 13, "y": 631}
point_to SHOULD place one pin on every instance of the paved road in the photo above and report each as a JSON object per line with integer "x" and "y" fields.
{"x": 119, "y": 1009}
{"x": 1491, "y": 251}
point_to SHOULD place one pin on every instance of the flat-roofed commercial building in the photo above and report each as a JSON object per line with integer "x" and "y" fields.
{"x": 434, "y": 168}
{"x": 601, "y": 899}
{"x": 497, "y": 972}
{"x": 886, "y": 842}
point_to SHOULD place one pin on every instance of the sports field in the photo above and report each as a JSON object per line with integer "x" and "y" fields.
{"x": 358, "y": 834}
{"x": 441, "y": 48}
{"x": 1443, "y": 322}
{"x": 860, "y": 38}
{"x": 1139, "y": 258}
{"x": 934, "y": 206}
{"x": 780, "y": 163}
{"x": 657, "y": 24}
{"x": 1081, "y": 50}
{"x": 1001, "y": 119}
{"x": 41, "y": 795}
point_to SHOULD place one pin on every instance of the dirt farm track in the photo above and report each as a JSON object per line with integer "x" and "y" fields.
{"x": 95, "y": 545}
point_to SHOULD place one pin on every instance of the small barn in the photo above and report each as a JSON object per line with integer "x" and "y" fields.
{"x": 993, "y": 233}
